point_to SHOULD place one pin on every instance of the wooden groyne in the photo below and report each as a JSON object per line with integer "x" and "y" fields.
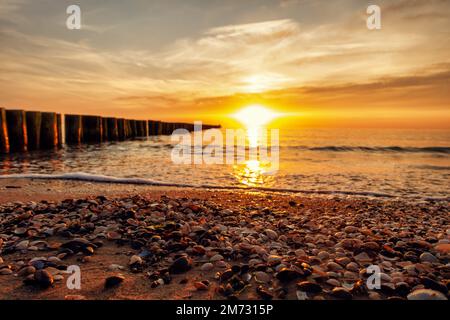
{"x": 21, "y": 130}
{"x": 17, "y": 130}
{"x": 4, "y": 141}
{"x": 49, "y": 130}
{"x": 34, "y": 119}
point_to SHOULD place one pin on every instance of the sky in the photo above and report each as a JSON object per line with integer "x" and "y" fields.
{"x": 316, "y": 62}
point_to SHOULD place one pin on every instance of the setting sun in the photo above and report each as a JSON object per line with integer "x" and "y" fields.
{"x": 255, "y": 116}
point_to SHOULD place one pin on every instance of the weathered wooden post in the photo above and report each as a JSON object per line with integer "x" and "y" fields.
{"x": 141, "y": 128}
{"x": 104, "y": 129}
{"x": 127, "y": 129}
{"x": 158, "y": 128}
{"x": 121, "y": 129}
{"x": 170, "y": 128}
{"x": 163, "y": 128}
{"x": 49, "y": 130}
{"x": 4, "y": 141}
{"x": 74, "y": 129}
{"x": 138, "y": 128}
{"x": 133, "y": 129}
{"x": 92, "y": 128}
{"x": 113, "y": 129}
{"x": 33, "y": 129}
{"x": 151, "y": 127}
{"x": 144, "y": 128}
{"x": 60, "y": 129}
{"x": 17, "y": 130}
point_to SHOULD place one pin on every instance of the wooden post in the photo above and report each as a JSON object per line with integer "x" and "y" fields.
{"x": 4, "y": 141}
{"x": 33, "y": 129}
{"x": 49, "y": 130}
{"x": 59, "y": 126}
{"x": 113, "y": 129}
{"x": 127, "y": 129}
{"x": 141, "y": 128}
{"x": 74, "y": 128}
{"x": 17, "y": 130}
{"x": 133, "y": 129}
{"x": 138, "y": 128}
{"x": 144, "y": 126}
{"x": 151, "y": 127}
{"x": 158, "y": 128}
{"x": 92, "y": 129}
{"x": 166, "y": 128}
{"x": 121, "y": 129}
{"x": 104, "y": 129}
{"x": 170, "y": 128}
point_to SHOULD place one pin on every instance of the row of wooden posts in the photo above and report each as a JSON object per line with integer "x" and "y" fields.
{"x": 32, "y": 130}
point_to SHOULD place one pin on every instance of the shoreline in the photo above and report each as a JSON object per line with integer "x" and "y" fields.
{"x": 232, "y": 243}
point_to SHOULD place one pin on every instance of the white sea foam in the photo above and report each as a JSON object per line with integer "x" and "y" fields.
{"x": 82, "y": 176}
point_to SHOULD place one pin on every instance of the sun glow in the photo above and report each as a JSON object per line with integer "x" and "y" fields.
{"x": 255, "y": 116}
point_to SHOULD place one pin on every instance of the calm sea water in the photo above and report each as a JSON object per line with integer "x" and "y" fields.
{"x": 401, "y": 163}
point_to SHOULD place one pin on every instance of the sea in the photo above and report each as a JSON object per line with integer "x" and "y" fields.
{"x": 386, "y": 163}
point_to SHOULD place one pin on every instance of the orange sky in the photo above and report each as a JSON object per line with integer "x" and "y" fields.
{"x": 315, "y": 61}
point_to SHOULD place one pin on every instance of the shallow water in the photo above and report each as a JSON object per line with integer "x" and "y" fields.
{"x": 403, "y": 163}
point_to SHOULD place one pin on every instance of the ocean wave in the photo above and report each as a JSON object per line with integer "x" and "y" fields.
{"x": 81, "y": 176}
{"x": 397, "y": 149}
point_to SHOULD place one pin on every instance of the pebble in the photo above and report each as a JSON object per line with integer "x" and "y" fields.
{"x": 181, "y": 265}
{"x": 433, "y": 284}
{"x": 374, "y": 296}
{"x": 333, "y": 266}
{"x": 341, "y": 293}
{"x": 43, "y": 278}
{"x": 286, "y": 275}
{"x": 5, "y": 271}
{"x": 115, "y": 267}
{"x": 323, "y": 255}
{"x": 113, "y": 281}
{"x": 216, "y": 258}
{"x": 426, "y": 294}
{"x": 264, "y": 293}
{"x": 135, "y": 260}
{"x": 333, "y": 282}
{"x": 343, "y": 261}
{"x": 25, "y": 271}
{"x": 221, "y": 264}
{"x": 207, "y": 266}
{"x": 273, "y": 260}
{"x": 352, "y": 266}
{"x": 362, "y": 257}
{"x": 22, "y": 245}
{"x": 351, "y": 229}
{"x": 262, "y": 277}
{"x": 201, "y": 286}
{"x": 428, "y": 257}
{"x": 74, "y": 297}
{"x": 58, "y": 277}
{"x": 309, "y": 287}
{"x": 271, "y": 234}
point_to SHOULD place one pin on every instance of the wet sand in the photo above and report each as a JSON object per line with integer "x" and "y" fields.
{"x": 241, "y": 244}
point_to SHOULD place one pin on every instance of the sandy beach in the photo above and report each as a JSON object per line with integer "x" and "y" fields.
{"x": 143, "y": 242}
